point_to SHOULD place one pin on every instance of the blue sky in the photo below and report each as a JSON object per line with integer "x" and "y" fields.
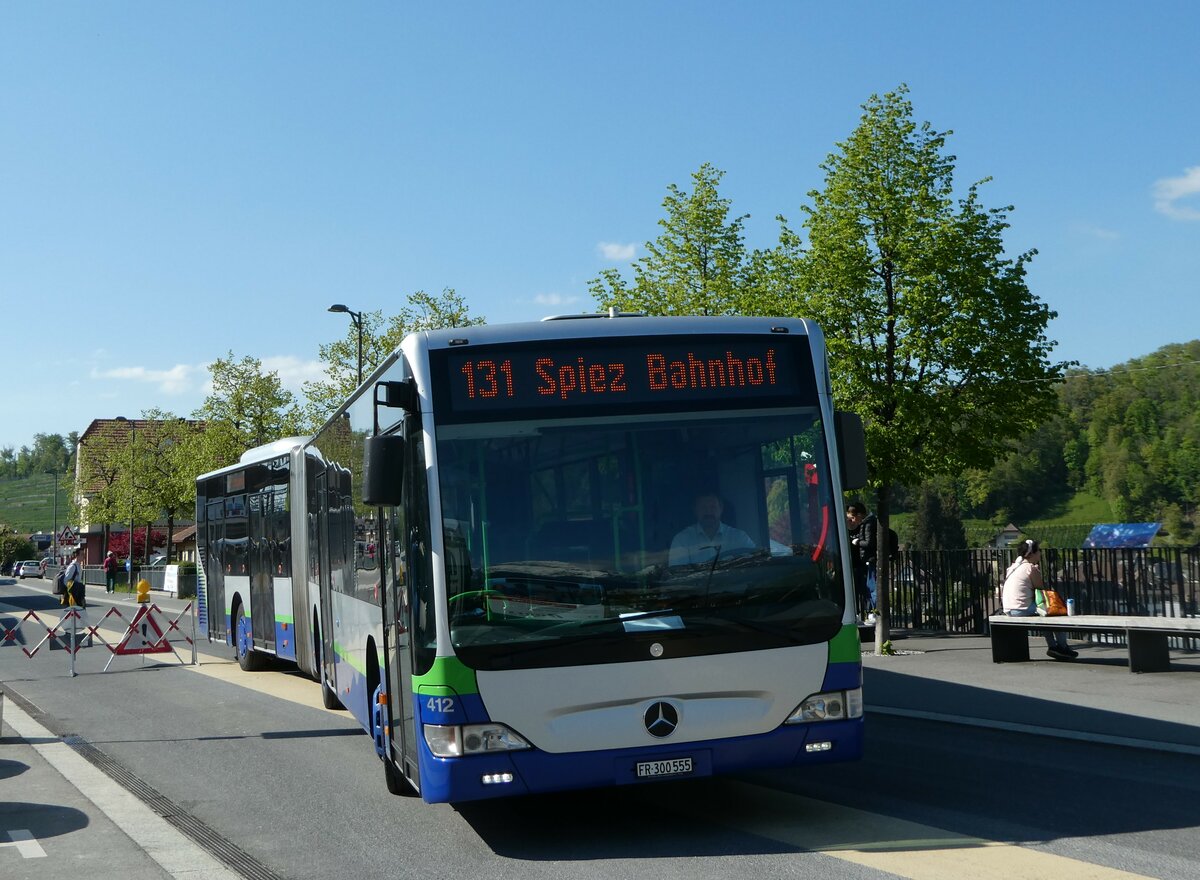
{"x": 182, "y": 180}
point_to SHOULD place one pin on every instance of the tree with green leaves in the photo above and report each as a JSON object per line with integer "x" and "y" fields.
{"x": 937, "y": 524}
{"x": 380, "y": 337}
{"x": 14, "y": 547}
{"x": 934, "y": 337}
{"x": 102, "y": 491}
{"x": 248, "y": 407}
{"x": 168, "y": 468}
{"x": 697, "y": 266}
{"x": 50, "y": 453}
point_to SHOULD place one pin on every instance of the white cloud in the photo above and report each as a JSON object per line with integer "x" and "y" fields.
{"x": 1099, "y": 232}
{"x": 555, "y": 299}
{"x": 1170, "y": 190}
{"x": 612, "y": 250}
{"x": 294, "y": 372}
{"x": 183, "y": 379}
{"x": 179, "y": 379}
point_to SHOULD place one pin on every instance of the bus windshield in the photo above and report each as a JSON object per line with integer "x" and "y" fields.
{"x": 592, "y": 540}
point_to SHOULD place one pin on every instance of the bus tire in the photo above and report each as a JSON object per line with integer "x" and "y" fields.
{"x": 396, "y": 783}
{"x": 248, "y": 659}
{"x": 329, "y": 697}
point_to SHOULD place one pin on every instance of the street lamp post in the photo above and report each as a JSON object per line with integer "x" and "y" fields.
{"x": 54, "y": 537}
{"x": 356, "y": 317}
{"x": 132, "y": 441}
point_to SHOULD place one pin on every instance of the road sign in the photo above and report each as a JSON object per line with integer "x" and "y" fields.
{"x": 145, "y": 636}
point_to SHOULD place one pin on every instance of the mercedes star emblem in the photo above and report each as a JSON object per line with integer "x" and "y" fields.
{"x": 661, "y": 719}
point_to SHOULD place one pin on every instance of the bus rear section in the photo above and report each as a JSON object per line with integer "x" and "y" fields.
{"x": 251, "y": 593}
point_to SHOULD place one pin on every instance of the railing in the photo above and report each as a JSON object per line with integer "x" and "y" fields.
{"x": 955, "y": 590}
{"x": 93, "y": 576}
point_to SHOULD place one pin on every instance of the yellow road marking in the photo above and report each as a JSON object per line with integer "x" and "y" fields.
{"x": 897, "y": 846}
{"x": 294, "y": 687}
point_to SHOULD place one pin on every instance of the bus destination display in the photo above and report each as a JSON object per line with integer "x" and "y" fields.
{"x": 635, "y": 371}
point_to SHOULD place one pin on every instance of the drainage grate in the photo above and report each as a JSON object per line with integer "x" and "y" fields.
{"x": 209, "y": 840}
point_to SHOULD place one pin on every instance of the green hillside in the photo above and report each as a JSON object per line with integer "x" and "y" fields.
{"x": 1063, "y": 524}
{"x": 27, "y": 504}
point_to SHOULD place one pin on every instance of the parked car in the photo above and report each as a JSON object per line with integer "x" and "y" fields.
{"x": 30, "y": 568}
{"x": 16, "y": 569}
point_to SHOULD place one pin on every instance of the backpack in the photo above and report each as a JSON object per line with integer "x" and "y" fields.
{"x": 60, "y": 582}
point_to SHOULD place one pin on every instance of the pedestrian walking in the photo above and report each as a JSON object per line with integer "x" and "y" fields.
{"x": 111, "y": 567}
{"x": 74, "y": 578}
{"x": 861, "y": 525}
{"x": 110, "y": 572}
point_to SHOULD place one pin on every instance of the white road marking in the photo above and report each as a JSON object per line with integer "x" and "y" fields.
{"x": 26, "y": 844}
{"x": 174, "y": 853}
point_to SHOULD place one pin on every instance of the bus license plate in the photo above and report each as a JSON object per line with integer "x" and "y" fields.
{"x": 673, "y": 767}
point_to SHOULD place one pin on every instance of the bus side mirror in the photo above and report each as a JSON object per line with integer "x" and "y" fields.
{"x": 383, "y": 470}
{"x": 398, "y": 394}
{"x": 852, "y": 450}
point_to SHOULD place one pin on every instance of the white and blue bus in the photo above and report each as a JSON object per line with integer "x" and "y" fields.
{"x": 583, "y": 552}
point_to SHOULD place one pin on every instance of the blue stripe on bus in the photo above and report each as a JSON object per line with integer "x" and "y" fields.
{"x": 285, "y": 641}
{"x": 451, "y": 780}
{"x": 842, "y": 676}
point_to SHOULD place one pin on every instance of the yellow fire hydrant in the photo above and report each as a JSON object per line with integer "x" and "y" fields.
{"x": 143, "y": 590}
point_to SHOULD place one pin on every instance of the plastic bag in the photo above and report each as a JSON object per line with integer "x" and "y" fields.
{"x": 1053, "y": 603}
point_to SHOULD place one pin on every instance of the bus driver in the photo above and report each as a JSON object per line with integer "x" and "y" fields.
{"x": 702, "y": 541}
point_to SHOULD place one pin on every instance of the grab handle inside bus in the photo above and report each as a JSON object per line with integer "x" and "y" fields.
{"x": 852, "y": 450}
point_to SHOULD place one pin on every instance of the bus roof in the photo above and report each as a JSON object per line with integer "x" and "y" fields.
{"x": 589, "y": 325}
{"x": 266, "y": 452}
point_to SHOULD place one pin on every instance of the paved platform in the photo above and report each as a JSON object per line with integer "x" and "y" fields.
{"x": 1094, "y": 697}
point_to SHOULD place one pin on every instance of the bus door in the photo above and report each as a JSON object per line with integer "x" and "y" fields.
{"x": 397, "y": 620}
{"x": 262, "y": 581}
{"x": 323, "y": 578}
{"x": 214, "y": 569}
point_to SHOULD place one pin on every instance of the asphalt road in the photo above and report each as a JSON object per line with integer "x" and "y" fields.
{"x": 250, "y": 766}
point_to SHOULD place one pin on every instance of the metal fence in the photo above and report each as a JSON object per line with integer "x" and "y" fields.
{"x": 93, "y": 576}
{"x": 955, "y": 590}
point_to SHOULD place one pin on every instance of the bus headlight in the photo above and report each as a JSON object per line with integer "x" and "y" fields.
{"x": 828, "y": 706}
{"x": 454, "y": 741}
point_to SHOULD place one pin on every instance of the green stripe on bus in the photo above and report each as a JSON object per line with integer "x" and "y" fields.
{"x": 448, "y": 672}
{"x": 845, "y": 647}
{"x": 352, "y": 659}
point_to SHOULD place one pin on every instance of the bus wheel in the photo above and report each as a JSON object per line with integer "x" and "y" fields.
{"x": 329, "y": 697}
{"x": 396, "y": 784}
{"x": 243, "y": 643}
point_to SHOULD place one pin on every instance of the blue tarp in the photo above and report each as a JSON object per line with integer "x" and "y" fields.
{"x": 1122, "y": 535}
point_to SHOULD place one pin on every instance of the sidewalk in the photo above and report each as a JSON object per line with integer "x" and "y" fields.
{"x": 1094, "y": 698}
{"x": 63, "y": 816}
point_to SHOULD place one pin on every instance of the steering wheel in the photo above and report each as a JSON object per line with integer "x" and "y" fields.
{"x": 467, "y": 594}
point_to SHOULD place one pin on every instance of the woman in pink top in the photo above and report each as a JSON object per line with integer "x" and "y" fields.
{"x": 1023, "y": 577}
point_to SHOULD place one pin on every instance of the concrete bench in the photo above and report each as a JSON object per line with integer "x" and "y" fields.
{"x": 1146, "y": 636}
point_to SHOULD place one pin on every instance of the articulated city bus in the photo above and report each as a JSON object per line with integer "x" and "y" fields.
{"x": 577, "y": 553}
